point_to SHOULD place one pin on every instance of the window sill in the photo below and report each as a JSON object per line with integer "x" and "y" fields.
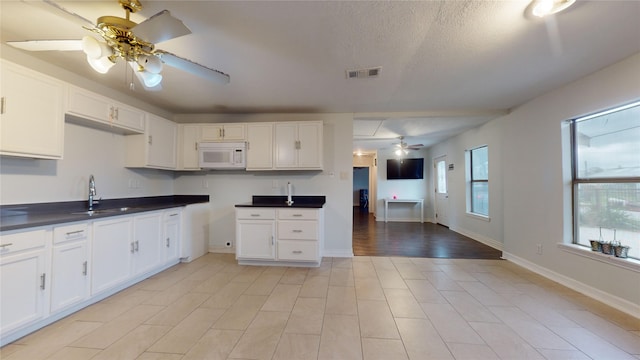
{"x": 628, "y": 263}
{"x": 479, "y": 216}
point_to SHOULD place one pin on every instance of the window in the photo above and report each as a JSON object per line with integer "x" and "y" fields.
{"x": 478, "y": 170}
{"x": 606, "y": 177}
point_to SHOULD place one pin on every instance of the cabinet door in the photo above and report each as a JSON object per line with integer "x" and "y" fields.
{"x": 310, "y": 145}
{"x": 147, "y": 242}
{"x": 171, "y": 236}
{"x": 90, "y": 105}
{"x": 129, "y": 117}
{"x": 69, "y": 274}
{"x": 112, "y": 248}
{"x": 255, "y": 239}
{"x": 259, "y": 146}
{"x": 234, "y": 132}
{"x": 23, "y": 289}
{"x": 32, "y": 114}
{"x": 190, "y": 139}
{"x": 211, "y": 133}
{"x": 161, "y": 142}
{"x": 285, "y": 139}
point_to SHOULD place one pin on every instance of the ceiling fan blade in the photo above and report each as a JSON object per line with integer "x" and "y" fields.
{"x": 192, "y": 67}
{"x": 47, "y": 45}
{"x": 160, "y": 27}
{"x": 415, "y": 146}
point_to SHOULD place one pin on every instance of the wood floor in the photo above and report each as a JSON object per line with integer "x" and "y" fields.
{"x": 428, "y": 240}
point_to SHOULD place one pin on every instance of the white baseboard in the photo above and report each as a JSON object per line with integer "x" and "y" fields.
{"x": 614, "y": 301}
{"x": 222, "y": 250}
{"x": 338, "y": 253}
{"x": 480, "y": 238}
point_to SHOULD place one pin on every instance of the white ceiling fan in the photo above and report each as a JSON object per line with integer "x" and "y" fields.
{"x": 403, "y": 147}
{"x": 121, "y": 38}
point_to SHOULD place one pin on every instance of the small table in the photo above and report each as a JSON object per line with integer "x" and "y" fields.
{"x": 417, "y": 201}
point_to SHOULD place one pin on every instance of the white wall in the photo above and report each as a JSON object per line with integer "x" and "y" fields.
{"x": 227, "y": 188}
{"x": 529, "y": 183}
{"x": 86, "y": 151}
{"x": 537, "y": 191}
{"x": 402, "y": 189}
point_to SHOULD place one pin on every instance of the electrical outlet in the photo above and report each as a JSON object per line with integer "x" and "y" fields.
{"x": 539, "y": 249}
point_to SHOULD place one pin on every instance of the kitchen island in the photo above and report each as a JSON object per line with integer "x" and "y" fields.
{"x": 269, "y": 231}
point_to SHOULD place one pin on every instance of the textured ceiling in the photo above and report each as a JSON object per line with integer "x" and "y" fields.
{"x": 446, "y": 65}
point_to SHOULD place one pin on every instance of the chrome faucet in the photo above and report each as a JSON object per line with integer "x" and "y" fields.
{"x": 92, "y": 191}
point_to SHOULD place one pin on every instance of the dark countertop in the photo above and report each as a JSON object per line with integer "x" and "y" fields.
{"x": 281, "y": 201}
{"x": 22, "y": 216}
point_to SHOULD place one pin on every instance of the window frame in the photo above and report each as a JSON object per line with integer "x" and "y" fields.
{"x": 576, "y": 180}
{"x": 471, "y": 181}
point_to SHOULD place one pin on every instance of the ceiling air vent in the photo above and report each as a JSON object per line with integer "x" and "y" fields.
{"x": 364, "y": 73}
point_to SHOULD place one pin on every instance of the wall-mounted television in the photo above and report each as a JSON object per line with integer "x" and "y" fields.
{"x": 401, "y": 169}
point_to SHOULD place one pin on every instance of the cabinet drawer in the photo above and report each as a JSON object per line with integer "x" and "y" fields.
{"x": 173, "y": 214}
{"x": 298, "y": 230}
{"x": 13, "y": 243}
{"x": 255, "y": 213}
{"x": 297, "y": 250}
{"x": 297, "y": 214}
{"x": 69, "y": 233}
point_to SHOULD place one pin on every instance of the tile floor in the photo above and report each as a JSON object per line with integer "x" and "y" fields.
{"x": 361, "y": 308}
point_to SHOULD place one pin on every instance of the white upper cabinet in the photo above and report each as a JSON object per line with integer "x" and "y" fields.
{"x": 188, "y": 148}
{"x": 298, "y": 145}
{"x": 102, "y": 112}
{"x": 224, "y": 132}
{"x": 32, "y": 113}
{"x": 156, "y": 148}
{"x": 260, "y": 146}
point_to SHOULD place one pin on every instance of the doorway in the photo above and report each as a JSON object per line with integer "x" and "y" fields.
{"x": 361, "y": 188}
{"x": 441, "y": 190}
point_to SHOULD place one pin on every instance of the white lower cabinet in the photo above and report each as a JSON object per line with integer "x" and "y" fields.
{"x": 255, "y": 233}
{"x": 50, "y": 272}
{"x": 111, "y": 251}
{"x": 297, "y": 239}
{"x": 23, "y": 278}
{"x": 147, "y": 242}
{"x": 172, "y": 221}
{"x": 70, "y": 283}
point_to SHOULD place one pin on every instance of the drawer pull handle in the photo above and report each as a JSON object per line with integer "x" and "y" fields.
{"x": 297, "y": 231}
{"x": 255, "y": 215}
{"x": 297, "y": 251}
{"x": 173, "y": 215}
{"x": 5, "y": 245}
{"x": 132, "y": 249}
{"x": 297, "y": 215}
{"x": 84, "y": 268}
{"x": 137, "y": 245}
{"x": 42, "y": 280}
{"x": 168, "y": 242}
{"x": 75, "y": 232}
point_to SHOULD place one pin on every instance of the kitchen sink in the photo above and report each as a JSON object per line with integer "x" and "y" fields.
{"x": 103, "y": 211}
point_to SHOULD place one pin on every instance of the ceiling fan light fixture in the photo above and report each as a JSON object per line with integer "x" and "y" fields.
{"x": 148, "y": 79}
{"x": 150, "y": 63}
{"x": 101, "y": 65}
{"x": 95, "y": 49}
{"x": 542, "y": 8}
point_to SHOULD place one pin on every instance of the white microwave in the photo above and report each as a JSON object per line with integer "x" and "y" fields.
{"x": 222, "y": 155}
